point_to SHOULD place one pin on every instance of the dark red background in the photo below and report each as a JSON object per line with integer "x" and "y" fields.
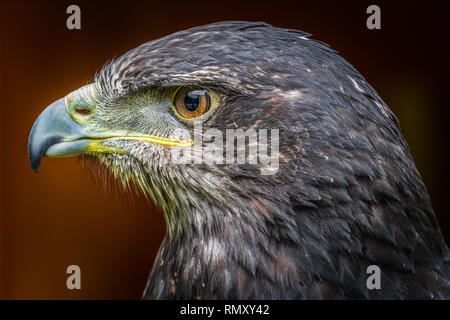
{"x": 63, "y": 216}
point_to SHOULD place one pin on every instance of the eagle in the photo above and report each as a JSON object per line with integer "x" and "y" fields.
{"x": 344, "y": 202}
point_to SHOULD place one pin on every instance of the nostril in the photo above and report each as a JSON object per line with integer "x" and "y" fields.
{"x": 83, "y": 111}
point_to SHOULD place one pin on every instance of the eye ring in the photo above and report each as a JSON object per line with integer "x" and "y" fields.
{"x": 190, "y": 103}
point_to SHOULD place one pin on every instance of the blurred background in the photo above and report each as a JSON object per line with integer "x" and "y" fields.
{"x": 64, "y": 216}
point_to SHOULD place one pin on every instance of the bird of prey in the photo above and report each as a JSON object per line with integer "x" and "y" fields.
{"x": 346, "y": 197}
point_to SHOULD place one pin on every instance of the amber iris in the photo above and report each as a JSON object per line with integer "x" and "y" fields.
{"x": 192, "y": 103}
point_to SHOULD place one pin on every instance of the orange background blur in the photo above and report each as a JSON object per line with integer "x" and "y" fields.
{"x": 63, "y": 216}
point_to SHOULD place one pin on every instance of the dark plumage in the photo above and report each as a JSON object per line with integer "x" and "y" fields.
{"x": 347, "y": 193}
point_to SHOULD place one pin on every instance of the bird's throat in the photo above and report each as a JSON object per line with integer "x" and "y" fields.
{"x": 212, "y": 257}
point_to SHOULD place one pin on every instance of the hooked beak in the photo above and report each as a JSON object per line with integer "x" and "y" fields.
{"x": 55, "y": 134}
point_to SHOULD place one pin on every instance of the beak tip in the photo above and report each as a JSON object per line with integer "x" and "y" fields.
{"x": 34, "y": 155}
{"x": 35, "y": 162}
{"x": 35, "y": 168}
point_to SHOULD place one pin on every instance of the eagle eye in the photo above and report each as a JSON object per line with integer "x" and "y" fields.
{"x": 192, "y": 103}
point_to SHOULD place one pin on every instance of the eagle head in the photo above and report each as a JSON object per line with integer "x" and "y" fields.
{"x": 280, "y": 171}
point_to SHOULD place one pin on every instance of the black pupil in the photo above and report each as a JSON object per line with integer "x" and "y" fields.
{"x": 192, "y": 100}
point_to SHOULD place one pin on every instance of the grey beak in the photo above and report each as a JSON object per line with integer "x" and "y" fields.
{"x": 53, "y": 126}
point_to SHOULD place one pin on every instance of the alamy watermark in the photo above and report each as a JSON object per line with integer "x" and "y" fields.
{"x": 374, "y": 20}
{"x": 74, "y": 20}
{"x": 374, "y": 280}
{"x": 74, "y": 280}
{"x": 230, "y": 146}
